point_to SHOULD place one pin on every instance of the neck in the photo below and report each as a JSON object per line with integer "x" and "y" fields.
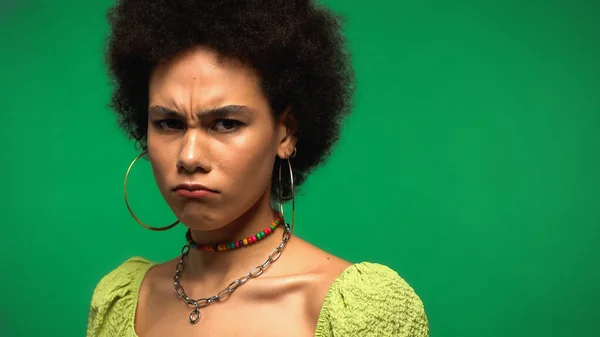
{"x": 221, "y": 267}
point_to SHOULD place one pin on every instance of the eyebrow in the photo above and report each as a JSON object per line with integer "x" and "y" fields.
{"x": 220, "y": 112}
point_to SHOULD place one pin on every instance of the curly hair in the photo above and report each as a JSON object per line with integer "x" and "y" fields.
{"x": 297, "y": 47}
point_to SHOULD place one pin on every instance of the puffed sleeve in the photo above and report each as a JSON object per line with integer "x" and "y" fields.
{"x": 370, "y": 299}
{"x": 112, "y": 309}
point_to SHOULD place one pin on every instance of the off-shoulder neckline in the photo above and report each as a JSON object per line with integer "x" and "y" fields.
{"x": 321, "y": 320}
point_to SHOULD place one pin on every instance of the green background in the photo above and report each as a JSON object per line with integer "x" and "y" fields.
{"x": 470, "y": 164}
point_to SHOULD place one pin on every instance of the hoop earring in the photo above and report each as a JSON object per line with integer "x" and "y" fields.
{"x": 156, "y": 229}
{"x": 292, "y": 188}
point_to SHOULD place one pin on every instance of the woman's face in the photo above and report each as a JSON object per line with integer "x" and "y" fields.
{"x": 212, "y": 140}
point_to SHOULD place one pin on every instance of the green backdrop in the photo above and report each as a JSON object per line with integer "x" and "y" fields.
{"x": 470, "y": 164}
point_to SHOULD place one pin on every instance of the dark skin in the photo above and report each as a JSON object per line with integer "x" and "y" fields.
{"x": 209, "y": 123}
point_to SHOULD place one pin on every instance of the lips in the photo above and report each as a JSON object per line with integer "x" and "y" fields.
{"x": 193, "y": 191}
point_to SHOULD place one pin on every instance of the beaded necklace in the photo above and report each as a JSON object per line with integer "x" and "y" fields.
{"x": 235, "y": 244}
{"x": 200, "y": 303}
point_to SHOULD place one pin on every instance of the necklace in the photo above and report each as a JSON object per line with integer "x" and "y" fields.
{"x": 200, "y": 303}
{"x": 235, "y": 244}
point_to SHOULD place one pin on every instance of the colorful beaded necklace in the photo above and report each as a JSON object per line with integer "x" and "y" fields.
{"x": 236, "y": 244}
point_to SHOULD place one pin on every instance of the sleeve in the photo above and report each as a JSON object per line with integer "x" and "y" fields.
{"x": 114, "y": 300}
{"x": 370, "y": 299}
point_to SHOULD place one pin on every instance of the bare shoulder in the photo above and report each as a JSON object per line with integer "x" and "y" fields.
{"x": 157, "y": 278}
{"x": 322, "y": 269}
{"x": 311, "y": 259}
{"x": 156, "y": 281}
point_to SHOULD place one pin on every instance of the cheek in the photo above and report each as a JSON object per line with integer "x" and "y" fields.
{"x": 162, "y": 162}
{"x": 253, "y": 166}
{"x": 250, "y": 165}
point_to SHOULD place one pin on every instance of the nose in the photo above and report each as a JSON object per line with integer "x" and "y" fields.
{"x": 193, "y": 156}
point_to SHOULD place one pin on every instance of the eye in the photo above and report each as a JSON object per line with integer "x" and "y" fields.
{"x": 226, "y": 125}
{"x": 169, "y": 124}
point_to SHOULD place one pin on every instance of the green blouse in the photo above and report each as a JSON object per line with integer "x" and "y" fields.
{"x": 367, "y": 299}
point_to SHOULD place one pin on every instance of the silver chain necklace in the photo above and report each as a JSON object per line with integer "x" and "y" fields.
{"x": 198, "y": 304}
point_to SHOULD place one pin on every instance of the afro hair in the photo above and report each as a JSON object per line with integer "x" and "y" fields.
{"x": 296, "y": 46}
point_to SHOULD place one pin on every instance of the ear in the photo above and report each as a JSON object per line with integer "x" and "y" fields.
{"x": 287, "y": 127}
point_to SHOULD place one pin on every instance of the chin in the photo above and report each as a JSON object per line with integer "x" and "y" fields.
{"x": 200, "y": 217}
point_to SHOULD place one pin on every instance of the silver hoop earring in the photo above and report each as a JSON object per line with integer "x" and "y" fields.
{"x": 292, "y": 192}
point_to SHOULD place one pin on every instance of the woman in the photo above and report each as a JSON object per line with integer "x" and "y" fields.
{"x": 234, "y": 103}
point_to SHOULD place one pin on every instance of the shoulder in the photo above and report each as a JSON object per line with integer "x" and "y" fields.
{"x": 370, "y": 299}
{"x": 115, "y": 298}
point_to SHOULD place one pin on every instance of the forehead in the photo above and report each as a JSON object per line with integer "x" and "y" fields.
{"x": 200, "y": 78}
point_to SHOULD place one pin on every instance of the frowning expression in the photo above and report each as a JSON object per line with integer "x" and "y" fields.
{"x": 212, "y": 138}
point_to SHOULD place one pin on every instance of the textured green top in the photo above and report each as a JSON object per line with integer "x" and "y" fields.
{"x": 367, "y": 299}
